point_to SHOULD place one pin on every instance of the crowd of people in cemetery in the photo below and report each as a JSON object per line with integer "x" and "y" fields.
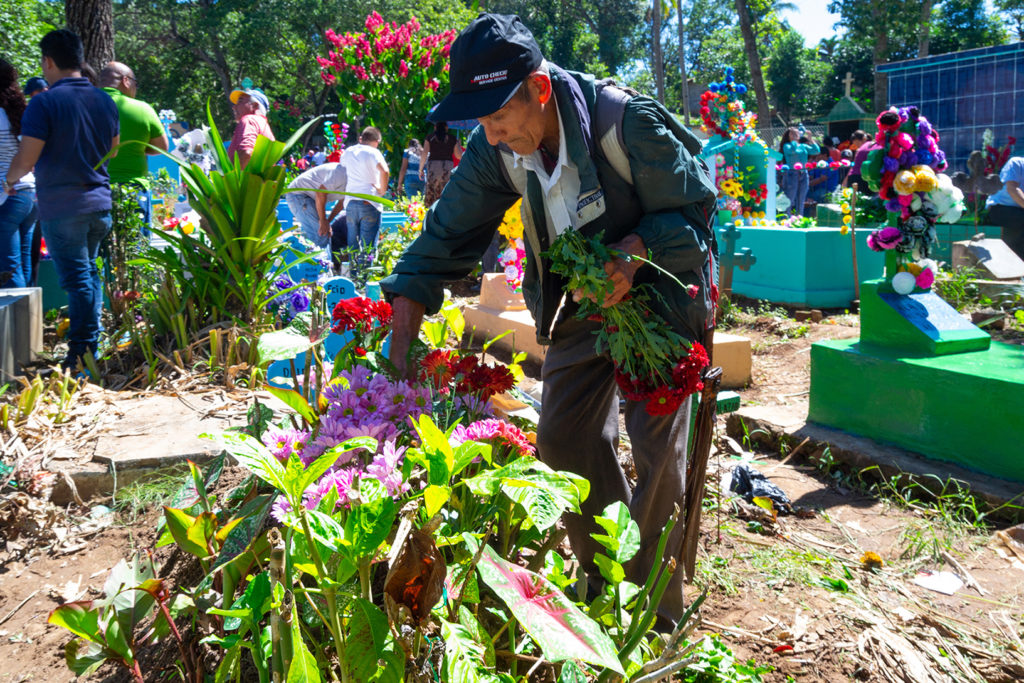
{"x": 56, "y": 129}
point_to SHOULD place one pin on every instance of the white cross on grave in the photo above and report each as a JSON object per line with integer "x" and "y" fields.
{"x": 848, "y": 83}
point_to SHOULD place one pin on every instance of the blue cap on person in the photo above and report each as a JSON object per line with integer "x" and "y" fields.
{"x": 254, "y": 94}
{"x": 489, "y": 59}
{"x": 34, "y": 86}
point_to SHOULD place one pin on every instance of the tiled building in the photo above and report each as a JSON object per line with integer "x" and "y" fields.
{"x": 963, "y": 93}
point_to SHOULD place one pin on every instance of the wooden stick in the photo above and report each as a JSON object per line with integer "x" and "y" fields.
{"x": 20, "y": 605}
{"x": 853, "y": 241}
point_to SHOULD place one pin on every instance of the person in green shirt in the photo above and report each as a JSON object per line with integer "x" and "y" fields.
{"x": 139, "y": 125}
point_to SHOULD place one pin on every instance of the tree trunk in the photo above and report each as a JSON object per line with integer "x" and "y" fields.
{"x": 93, "y": 21}
{"x": 924, "y": 30}
{"x": 754, "y": 60}
{"x": 659, "y": 63}
{"x": 880, "y": 55}
{"x": 685, "y": 87}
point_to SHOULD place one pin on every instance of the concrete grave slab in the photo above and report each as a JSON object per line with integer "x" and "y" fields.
{"x": 996, "y": 260}
{"x": 21, "y": 330}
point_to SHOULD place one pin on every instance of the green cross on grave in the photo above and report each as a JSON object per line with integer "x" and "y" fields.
{"x": 730, "y": 258}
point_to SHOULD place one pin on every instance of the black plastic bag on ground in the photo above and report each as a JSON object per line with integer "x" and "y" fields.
{"x": 749, "y": 483}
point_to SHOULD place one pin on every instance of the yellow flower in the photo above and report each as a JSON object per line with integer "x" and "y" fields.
{"x": 738, "y": 222}
{"x": 511, "y": 227}
{"x": 847, "y": 219}
{"x": 186, "y": 228}
{"x": 844, "y": 207}
{"x": 845, "y": 230}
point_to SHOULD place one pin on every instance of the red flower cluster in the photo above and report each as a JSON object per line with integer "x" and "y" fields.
{"x": 359, "y": 314}
{"x": 441, "y": 368}
{"x": 665, "y": 400}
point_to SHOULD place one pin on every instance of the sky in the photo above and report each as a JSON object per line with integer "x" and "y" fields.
{"x": 812, "y": 19}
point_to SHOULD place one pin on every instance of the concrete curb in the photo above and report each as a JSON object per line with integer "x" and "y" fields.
{"x": 98, "y": 479}
{"x": 768, "y": 425}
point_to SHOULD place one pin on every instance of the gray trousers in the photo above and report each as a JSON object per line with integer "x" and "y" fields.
{"x": 578, "y": 432}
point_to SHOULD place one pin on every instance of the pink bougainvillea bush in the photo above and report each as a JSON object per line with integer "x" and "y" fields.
{"x": 389, "y": 74}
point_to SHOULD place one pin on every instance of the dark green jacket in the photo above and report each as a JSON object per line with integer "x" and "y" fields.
{"x": 669, "y": 204}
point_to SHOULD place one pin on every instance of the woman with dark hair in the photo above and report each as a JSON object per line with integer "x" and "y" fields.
{"x": 796, "y": 149}
{"x": 18, "y": 204}
{"x": 440, "y": 150}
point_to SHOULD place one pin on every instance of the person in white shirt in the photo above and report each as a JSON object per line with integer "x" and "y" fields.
{"x": 310, "y": 207}
{"x": 367, "y": 174}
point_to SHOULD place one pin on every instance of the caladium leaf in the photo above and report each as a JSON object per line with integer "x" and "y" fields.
{"x": 623, "y": 537}
{"x": 252, "y": 455}
{"x": 465, "y": 653}
{"x": 370, "y": 651}
{"x": 543, "y": 493}
{"x": 560, "y": 629}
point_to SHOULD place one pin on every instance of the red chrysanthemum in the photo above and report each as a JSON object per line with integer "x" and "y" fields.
{"x": 437, "y": 367}
{"x": 686, "y": 375}
{"x": 359, "y": 313}
{"x": 664, "y": 401}
{"x": 633, "y": 389}
{"x": 353, "y": 314}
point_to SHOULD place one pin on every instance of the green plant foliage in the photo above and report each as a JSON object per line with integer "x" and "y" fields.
{"x": 560, "y": 629}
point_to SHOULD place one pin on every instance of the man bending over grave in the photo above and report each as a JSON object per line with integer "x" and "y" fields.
{"x": 639, "y": 183}
{"x": 310, "y": 207}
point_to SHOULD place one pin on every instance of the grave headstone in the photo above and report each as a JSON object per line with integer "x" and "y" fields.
{"x": 918, "y": 323}
{"x": 338, "y": 288}
{"x": 996, "y": 260}
{"x": 729, "y": 258}
{"x": 21, "y": 329}
{"x": 279, "y": 373}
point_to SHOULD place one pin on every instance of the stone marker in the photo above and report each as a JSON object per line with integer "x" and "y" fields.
{"x": 21, "y": 329}
{"x": 996, "y": 260}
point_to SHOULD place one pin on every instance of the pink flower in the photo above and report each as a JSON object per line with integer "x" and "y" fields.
{"x": 329, "y": 79}
{"x": 426, "y": 60}
{"x": 693, "y": 291}
{"x": 887, "y": 238}
{"x": 373, "y": 20}
{"x": 359, "y": 98}
{"x": 925, "y": 279}
{"x": 433, "y": 84}
{"x": 403, "y": 69}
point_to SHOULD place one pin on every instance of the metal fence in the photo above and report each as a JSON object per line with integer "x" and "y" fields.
{"x": 771, "y": 136}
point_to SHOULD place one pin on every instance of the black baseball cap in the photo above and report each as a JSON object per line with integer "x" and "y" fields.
{"x": 489, "y": 60}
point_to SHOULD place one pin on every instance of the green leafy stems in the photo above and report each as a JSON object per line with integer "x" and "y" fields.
{"x": 639, "y": 342}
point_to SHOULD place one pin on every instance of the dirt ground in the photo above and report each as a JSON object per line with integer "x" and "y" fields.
{"x": 795, "y": 596}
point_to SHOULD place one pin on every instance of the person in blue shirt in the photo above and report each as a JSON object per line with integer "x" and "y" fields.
{"x": 66, "y": 132}
{"x": 409, "y": 182}
{"x": 796, "y": 148}
{"x": 821, "y": 180}
{"x": 1006, "y": 207}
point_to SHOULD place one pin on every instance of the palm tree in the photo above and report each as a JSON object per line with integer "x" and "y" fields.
{"x": 659, "y": 63}
{"x": 753, "y": 59}
{"x": 685, "y": 88}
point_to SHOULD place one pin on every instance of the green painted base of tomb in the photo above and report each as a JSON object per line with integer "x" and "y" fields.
{"x": 962, "y": 408}
{"x": 804, "y": 267}
{"x": 917, "y": 324}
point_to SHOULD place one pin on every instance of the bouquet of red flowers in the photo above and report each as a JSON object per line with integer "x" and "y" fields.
{"x": 653, "y": 363}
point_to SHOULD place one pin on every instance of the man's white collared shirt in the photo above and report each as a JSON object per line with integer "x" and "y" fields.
{"x": 561, "y": 188}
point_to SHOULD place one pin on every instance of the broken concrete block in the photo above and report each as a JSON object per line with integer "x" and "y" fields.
{"x": 991, "y": 256}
